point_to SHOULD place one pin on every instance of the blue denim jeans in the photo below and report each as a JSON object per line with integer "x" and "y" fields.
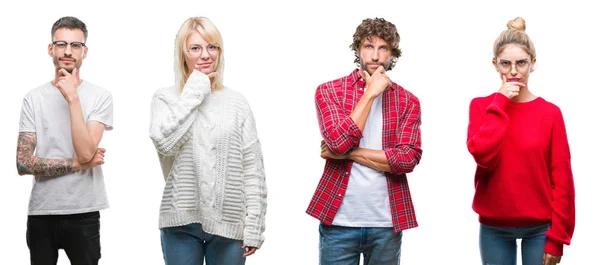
{"x": 190, "y": 245}
{"x": 498, "y": 245}
{"x": 340, "y": 245}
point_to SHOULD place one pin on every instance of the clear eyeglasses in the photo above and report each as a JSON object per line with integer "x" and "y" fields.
{"x": 197, "y": 50}
{"x": 506, "y": 66}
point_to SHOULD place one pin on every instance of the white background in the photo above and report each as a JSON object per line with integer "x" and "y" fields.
{"x": 276, "y": 55}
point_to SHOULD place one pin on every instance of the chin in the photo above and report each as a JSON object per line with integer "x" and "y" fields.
{"x": 68, "y": 67}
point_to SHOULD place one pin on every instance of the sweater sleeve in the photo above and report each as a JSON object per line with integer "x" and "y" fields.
{"x": 563, "y": 190}
{"x": 255, "y": 188}
{"x": 486, "y": 130}
{"x": 404, "y": 157}
{"x": 166, "y": 163}
{"x": 171, "y": 118}
{"x": 338, "y": 129}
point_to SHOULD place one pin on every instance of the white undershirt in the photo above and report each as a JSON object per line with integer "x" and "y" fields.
{"x": 366, "y": 202}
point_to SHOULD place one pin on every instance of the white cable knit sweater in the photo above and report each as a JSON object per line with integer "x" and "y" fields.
{"x": 211, "y": 160}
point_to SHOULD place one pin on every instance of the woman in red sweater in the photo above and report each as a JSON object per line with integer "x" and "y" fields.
{"x": 523, "y": 182}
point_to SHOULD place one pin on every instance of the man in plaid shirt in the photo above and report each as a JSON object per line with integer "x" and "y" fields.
{"x": 371, "y": 139}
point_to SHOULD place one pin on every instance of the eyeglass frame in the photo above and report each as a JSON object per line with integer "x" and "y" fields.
{"x": 217, "y": 49}
{"x": 512, "y": 64}
{"x": 68, "y": 44}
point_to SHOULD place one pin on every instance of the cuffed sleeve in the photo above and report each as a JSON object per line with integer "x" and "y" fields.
{"x": 405, "y": 156}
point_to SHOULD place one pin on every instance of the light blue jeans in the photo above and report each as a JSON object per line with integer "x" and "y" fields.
{"x": 498, "y": 245}
{"x": 340, "y": 245}
{"x": 190, "y": 245}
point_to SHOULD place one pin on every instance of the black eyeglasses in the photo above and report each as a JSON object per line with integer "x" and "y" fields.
{"x": 76, "y": 45}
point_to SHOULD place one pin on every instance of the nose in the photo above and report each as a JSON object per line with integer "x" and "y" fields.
{"x": 375, "y": 55}
{"x": 513, "y": 69}
{"x": 204, "y": 54}
{"x": 68, "y": 50}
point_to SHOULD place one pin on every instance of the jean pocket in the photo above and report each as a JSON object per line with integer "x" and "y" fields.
{"x": 323, "y": 226}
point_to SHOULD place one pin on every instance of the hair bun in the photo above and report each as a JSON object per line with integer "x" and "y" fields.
{"x": 516, "y": 24}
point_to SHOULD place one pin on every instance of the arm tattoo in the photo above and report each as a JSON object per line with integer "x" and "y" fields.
{"x": 28, "y": 164}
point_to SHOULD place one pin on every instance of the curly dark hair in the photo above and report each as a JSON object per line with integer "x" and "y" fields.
{"x": 381, "y": 28}
{"x": 70, "y": 23}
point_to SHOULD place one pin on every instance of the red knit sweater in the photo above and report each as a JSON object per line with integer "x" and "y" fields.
{"x": 523, "y": 174}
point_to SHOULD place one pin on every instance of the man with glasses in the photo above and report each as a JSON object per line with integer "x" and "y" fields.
{"x": 371, "y": 140}
{"x": 62, "y": 123}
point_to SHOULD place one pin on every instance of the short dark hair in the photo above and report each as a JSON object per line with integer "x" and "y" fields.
{"x": 377, "y": 27}
{"x": 70, "y": 23}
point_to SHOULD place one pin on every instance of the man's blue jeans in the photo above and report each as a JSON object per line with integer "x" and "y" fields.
{"x": 340, "y": 245}
{"x": 190, "y": 245}
{"x": 498, "y": 245}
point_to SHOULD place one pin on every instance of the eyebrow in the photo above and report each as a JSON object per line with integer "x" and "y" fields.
{"x": 505, "y": 60}
{"x": 68, "y": 42}
{"x": 210, "y": 43}
{"x": 373, "y": 44}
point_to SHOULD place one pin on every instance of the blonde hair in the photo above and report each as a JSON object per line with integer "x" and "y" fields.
{"x": 515, "y": 34}
{"x": 210, "y": 34}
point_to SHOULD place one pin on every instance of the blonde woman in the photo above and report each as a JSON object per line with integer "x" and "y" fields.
{"x": 523, "y": 182}
{"x": 214, "y": 201}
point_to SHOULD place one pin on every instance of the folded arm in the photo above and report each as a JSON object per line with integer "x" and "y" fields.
{"x": 28, "y": 164}
{"x": 402, "y": 158}
{"x": 405, "y": 155}
{"x": 374, "y": 159}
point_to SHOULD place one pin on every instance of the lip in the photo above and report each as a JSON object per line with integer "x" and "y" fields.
{"x": 67, "y": 60}
{"x": 514, "y": 79}
{"x": 203, "y": 64}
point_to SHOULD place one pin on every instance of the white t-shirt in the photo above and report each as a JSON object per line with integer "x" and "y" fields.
{"x": 366, "y": 202}
{"x": 46, "y": 112}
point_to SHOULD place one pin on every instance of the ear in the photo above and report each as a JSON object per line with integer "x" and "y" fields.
{"x": 495, "y": 63}
{"x": 533, "y": 65}
{"x": 51, "y": 50}
{"x": 85, "y": 51}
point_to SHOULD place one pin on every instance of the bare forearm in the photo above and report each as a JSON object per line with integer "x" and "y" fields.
{"x": 360, "y": 113}
{"x": 84, "y": 146}
{"x": 45, "y": 167}
{"x": 374, "y": 159}
{"x": 28, "y": 164}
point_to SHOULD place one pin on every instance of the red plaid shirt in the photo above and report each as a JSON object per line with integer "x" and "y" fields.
{"x": 335, "y": 100}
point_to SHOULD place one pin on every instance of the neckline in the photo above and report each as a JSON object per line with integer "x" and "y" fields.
{"x": 78, "y": 86}
{"x": 525, "y": 103}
